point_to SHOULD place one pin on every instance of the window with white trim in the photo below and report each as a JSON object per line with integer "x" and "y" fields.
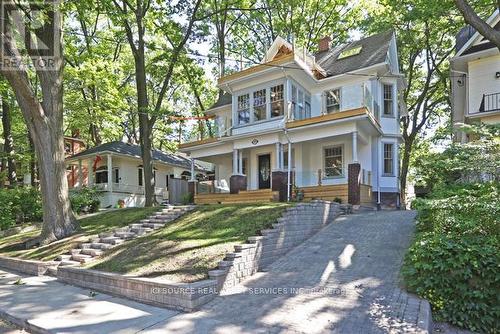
{"x": 277, "y": 102}
{"x": 388, "y": 159}
{"x": 243, "y": 109}
{"x": 259, "y": 105}
{"x": 388, "y": 100}
{"x": 333, "y": 101}
{"x": 333, "y": 161}
{"x": 116, "y": 175}
{"x": 140, "y": 177}
{"x": 307, "y": 106}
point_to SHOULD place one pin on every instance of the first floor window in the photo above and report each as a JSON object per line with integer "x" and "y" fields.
{"x": 140, "y": 177}
{"x": 389, "y": 159}
{"x": 333, "y": 159}
{"x": 388, "y": 100}
{"x": 277, "y": 103}
{"x": 333, "y": 101}
{"x": 101, "y": 175}
{"x": 244, "y": 109}
{"x": 259, "y": 105}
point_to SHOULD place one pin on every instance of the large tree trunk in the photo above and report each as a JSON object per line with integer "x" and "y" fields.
{"x": 8, "y": 147}
{"x": 33, "y": 167}
{"x": 144, "y": 127}
{"x": 45, "y": 124}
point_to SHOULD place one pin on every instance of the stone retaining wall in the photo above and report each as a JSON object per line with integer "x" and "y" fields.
{"x": 30, "y": 267}
{"x": 180, "y": 296}
{"x": 295, "y": 226}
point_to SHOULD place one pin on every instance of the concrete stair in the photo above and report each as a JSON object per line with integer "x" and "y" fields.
{"x": 96, "y": 246}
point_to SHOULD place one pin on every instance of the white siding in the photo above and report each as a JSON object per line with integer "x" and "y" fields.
{"x": 482, "y": 80}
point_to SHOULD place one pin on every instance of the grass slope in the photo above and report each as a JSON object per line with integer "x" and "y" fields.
{"x": 187, "y": 248}
{"x": 90, "y": 226}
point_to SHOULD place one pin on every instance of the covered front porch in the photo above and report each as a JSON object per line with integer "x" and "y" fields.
{"x": 337, "y": 167}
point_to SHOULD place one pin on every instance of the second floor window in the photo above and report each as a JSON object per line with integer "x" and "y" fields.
{"x": 388, "y": 100}
{"x": 333, "y": 101}
{"x": 243, "y": 109}
{"x": 277, "y": 103}
{"x": 307, "y": 107}
{"x": 259, "y": 105}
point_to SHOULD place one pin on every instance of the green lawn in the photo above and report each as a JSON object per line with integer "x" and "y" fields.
{"x": 90, "y": 226}
{"x": 186, "y": 249}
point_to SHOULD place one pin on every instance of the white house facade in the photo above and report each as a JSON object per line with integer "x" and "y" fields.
{"x": 475, "y": 78}
{"x": 324, "y": 125}
{"x": 116, "y": 169}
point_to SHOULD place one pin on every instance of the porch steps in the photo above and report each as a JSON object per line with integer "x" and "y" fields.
{"x": 97, "y": 245}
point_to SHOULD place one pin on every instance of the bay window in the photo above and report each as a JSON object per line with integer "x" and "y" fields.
{"x": 259, "y": 105}
{"x": 243, "y": 109}
{"x": 277, "y": 102}
{"x": 388, "y": 159}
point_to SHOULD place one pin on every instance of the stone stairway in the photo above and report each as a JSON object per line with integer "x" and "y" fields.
{"x": 89, "y": 251}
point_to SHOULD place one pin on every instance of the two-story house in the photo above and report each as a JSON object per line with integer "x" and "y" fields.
{"x": 475, "y": 78}
{"x": 322, "y": 125}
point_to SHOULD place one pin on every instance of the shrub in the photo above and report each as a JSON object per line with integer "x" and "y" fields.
{"x": 337, "y": 200}
{"x": 86, "y": 199}
{"x": 458, "y": 276}
{"x": 19, "y": 205}
{"x": 187, "y": 199}
{"x": 455, "y": 258}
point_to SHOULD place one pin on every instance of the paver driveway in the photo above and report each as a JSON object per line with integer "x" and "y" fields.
{"x": 349, "y": 275}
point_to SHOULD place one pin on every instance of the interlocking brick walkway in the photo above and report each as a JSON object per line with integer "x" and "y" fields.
{"x": 349, "y": 274}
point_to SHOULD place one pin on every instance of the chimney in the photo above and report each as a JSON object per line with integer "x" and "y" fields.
{"x": 324, "y": 44}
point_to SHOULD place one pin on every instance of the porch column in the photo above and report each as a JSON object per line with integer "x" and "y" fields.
{"x": 355, "y": 146}
{"x": 240, "y": 162}
{"x": 237, "y": 182}
{"x": 80, "y": 174}
{"x": 193, "y": 178}
{"x": 235, "y": 162}
{"x": 90, "y": 173}
{"x": 278, "y": 160}
{"x": 110, "y": 173}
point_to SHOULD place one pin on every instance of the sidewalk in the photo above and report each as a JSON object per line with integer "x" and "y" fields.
{"x": 42, "y": 305}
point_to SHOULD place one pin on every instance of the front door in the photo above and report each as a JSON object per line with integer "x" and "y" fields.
{"x": 265, "y": 171}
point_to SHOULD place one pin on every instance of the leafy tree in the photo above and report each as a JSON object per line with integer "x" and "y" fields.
{"x": 43, "y": 114}
{"x": 474, "y": 19}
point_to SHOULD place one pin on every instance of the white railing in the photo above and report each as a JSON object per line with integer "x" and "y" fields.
{"x": 131, "y": 189}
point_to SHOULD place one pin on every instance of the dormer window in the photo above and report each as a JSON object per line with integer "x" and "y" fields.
{"x": 259, "y": 105}
{"x": 277, "y": 102}
{"x": 244, "y": 109}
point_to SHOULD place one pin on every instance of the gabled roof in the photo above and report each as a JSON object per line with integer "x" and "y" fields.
{"x": 135, "y": 151}
{"x": 374, "y": 50}
{"x": 475, "y": 42}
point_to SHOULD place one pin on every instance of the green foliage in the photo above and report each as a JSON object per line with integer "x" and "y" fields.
{"x": 454, "y": 260}
{"x": 86, "y": 199}
{"x": 187, "y": 198}
{"x": 19, "y": 205}
{"x": 462, "y": 163}
{"x": 337, "y": 200}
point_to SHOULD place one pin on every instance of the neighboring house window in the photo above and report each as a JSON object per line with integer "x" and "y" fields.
{"x": 140, "y": 177}
{"x": 333, "y": 161}
{"x": 166, "y": 181}
{"x": 116, "y": 175}
{"x": 388, "y": 100}
{"x": 101, "y": 175}
{"x": 259, "y": 104}
{"x": 277, "y": 103}
{"x": 333, "y": 101}
{"x": 388, "y": 159}
{"x": 244, "y": 109}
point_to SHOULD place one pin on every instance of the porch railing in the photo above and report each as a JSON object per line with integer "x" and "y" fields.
{"x": 131, "y": 189}
{"x": 490, "y": 102}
